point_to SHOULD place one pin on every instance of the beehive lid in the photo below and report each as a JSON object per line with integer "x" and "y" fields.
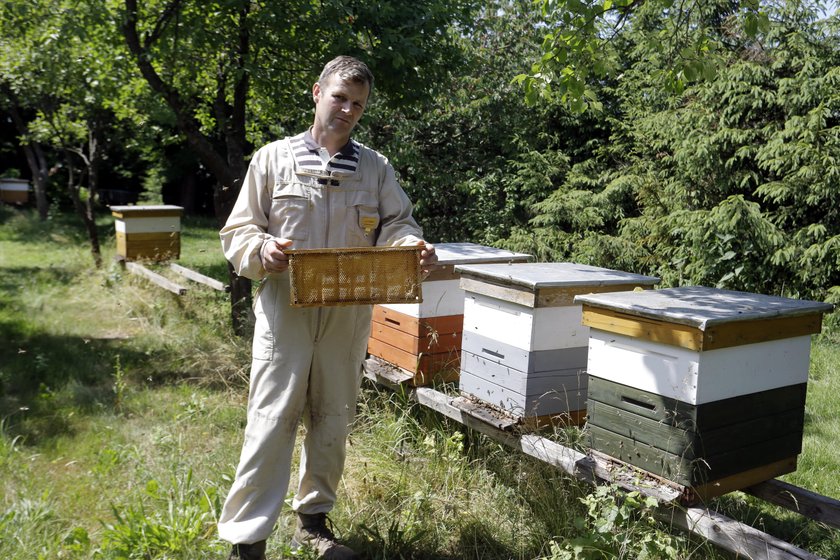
{"x": 452, "y": 254}
{"x": 702, "y": 318}
{"x": 465, "y": 253}
{"x": 702, "y": 307}
{"x": 150, "y": 211}
{"x": 546, "y": 284}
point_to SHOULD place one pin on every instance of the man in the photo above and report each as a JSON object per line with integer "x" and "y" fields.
{"x": 315, "y": 190}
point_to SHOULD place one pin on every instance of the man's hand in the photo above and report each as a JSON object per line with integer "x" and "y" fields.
{"x": 273, "y": 257}
{"x": 428, "y": 258}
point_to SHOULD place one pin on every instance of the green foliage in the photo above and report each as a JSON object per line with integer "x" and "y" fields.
{"x": 475, "y": 157}
{"x": 730, "y": 183}
{"x": 616, "y": 525}
{"x": 120, "y": 386}
{"x": 582, "y": 43}
{"x": 176, "y": 523}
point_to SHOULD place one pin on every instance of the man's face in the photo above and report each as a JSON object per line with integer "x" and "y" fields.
{"x": 339, "y": 104}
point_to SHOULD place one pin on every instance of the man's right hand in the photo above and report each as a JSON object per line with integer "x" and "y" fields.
{"x": 273, "y": 257}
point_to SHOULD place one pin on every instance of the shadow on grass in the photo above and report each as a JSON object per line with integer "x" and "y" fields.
{"x": 44, "y": 376}
{"x": 23, "y": 224}
{"x": 476, "y": 540}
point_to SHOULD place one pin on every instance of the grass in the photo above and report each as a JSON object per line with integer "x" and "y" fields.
{"x": 122, "y": 409}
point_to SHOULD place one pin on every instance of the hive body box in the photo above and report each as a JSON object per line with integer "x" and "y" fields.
{"x": 148, "y": 232}
{"x": 524, "y": 348}
{"x": 14, "y": 191}
{"x": 701, "y": 386}
{"x": 425, "y": 338}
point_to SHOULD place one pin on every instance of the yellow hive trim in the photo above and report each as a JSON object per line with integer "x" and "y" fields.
{"x": 355, "y": 276}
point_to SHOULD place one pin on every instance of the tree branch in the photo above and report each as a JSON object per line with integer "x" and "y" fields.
{"x": 161, "y": 23}
{"x": 186, "y": 122}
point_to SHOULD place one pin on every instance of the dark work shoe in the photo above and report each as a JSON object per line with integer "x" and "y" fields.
{"x": 254, "y": 551}
{"x": 312, "y": 532}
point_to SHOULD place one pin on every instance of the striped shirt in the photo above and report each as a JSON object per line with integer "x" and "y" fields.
{"x": 310, "y": 156}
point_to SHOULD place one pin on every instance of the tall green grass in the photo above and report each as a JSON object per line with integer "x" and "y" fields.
{"x": 122, "y": 409}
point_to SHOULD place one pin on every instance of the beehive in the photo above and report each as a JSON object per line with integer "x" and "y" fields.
{"x": 704, "y": 387}
{"x": 524, "y": 349}
{"x": 424, "y": 338}
{"x": 148, "y": 232}
{"x": 14, "y": 191}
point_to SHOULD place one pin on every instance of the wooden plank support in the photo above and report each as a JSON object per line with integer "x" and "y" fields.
{"x": 727, "y": 533}
{"x": 732, "y": 535}
{"x": 156, "y": 278}
{"x": 198, "y": 277}
{"x": 810, "y": 504}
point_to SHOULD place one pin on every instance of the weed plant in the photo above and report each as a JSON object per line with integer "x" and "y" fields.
{"x": 122, "y": 409}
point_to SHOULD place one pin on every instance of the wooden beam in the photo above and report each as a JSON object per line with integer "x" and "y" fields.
{"x": 716, "y": 336}
{"x": 724, "y": 532}
{"x": 810, "y": 504}
{"x": 198, "y": 277}
{"x": 156, "y": 278}
{"x": 732, "y": 535}
{"x": 675, "y": 334}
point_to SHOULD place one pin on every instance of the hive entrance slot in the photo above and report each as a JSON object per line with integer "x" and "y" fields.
{"x": 494, "y": 354}
{"x": 634, "y": 402}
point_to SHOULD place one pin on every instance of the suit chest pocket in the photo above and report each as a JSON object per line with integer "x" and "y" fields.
{"x": 290, "y": 211}
{"x": 362, "y": 217}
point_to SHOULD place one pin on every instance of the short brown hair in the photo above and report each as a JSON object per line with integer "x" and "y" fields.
{"x": 347, "y": 68}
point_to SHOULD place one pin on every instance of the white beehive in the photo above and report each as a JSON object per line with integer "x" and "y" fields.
{"x": 148, "y": 232}
{"x": 698, "y": 344}
{"x": 701, "y": 386}
{"x": 524, "y": 349}
{"x": 425, "y": 338}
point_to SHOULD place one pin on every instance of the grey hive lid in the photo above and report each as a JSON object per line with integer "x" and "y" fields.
{"x": 535, "y": 276}
{"x": 702, "y": 307}
{"x": 151, "y": 208}
{"x": 463, "y": 253}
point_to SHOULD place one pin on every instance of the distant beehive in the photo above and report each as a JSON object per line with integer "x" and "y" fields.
{"x": 148, "y": 232}
{"x": 524, "y": 349}
{"x": 703, "y": 387}
{"x": 14, "y": 191}
{"x": 424, "y": 339}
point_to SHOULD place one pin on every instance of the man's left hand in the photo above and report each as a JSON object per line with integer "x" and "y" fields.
{"x": 428, "y": 258}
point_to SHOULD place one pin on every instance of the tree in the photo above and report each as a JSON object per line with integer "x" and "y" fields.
{"x": 56, "y": 77}
{"x": 731, "y": 182}
{"x": 579, "y": 47}
{"x": 20, "y": 95}
{"x": 477, "y": 156}
{"x": 236, "y": 72}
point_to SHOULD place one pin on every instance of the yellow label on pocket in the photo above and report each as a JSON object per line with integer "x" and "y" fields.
{"x": 368, "y": 223}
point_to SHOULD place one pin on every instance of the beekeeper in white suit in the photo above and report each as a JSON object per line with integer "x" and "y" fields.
{"x": 318, "y": 189}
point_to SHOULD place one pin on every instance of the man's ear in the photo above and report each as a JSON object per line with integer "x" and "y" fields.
{"x": 316, "y": 92}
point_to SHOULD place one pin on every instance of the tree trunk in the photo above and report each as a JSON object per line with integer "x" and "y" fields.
{"x": 37, "y": 162}
{"x": 229, "y": 168}
{"x": 241, "y": 311}
{"x": 84, "y": 209}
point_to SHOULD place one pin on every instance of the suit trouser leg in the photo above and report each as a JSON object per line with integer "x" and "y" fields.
{"x": 282, "y": 358}
{"x": 307, "y": 362}
{"x": 333, "y": 390}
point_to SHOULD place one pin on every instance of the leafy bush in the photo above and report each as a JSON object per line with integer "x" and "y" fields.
{"x": 616, "y": 525}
